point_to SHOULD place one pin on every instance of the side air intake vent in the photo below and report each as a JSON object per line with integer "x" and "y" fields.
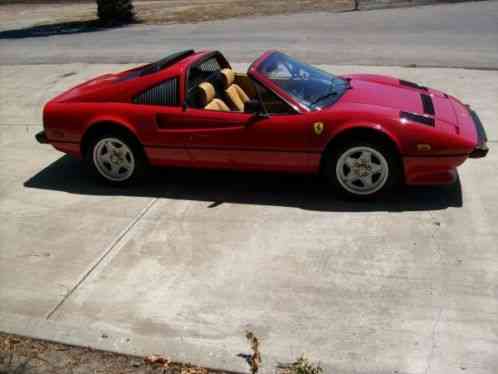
{"x": 411, "y": 85}
{"x": 425, "y": 120}
{"x": 427, "y": 104}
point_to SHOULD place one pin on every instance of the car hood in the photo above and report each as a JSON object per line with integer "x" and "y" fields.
{"x": 397, "y": 94}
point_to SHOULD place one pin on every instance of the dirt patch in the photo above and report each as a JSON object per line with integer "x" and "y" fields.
{"x": 23, "y": 355}
{"x": 20, "y": 355}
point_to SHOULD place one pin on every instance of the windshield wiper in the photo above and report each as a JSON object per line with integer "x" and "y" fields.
{"x": 348, "y": 83}
{"x": 331, "y": 92}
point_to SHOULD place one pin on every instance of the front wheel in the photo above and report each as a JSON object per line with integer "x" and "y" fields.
{"x": 362, "y": 169}
{"x": 115, "y": 158}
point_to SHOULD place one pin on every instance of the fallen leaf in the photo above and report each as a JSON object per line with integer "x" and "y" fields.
{"x": 157, "y": 360}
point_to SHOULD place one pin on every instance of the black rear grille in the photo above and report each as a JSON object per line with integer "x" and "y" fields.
{"x": 427, "y": 104}
{"x": 411, "y": 85}
{"x": 425, "y": 120}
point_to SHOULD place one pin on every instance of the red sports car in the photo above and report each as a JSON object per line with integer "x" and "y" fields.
{"x": 364, "y": 132}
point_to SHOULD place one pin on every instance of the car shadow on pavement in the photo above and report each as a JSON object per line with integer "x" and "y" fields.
{"x": 217, "y": 187}
{"x": 62, "y": 28}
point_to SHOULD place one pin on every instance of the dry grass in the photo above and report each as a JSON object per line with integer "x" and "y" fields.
{"x": 182, "y": 11}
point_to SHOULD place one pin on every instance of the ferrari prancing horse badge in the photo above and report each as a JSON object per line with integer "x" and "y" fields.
{"x": 318, "y": 127}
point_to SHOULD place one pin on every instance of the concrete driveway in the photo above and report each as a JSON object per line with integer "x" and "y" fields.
{"x": 187, "y": 262}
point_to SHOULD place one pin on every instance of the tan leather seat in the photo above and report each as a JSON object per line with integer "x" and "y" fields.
{"x": 208, "y": 100}
{"x": 235, "y": 94}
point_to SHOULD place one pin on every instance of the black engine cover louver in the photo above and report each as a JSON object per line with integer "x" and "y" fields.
{"x": 411, "y": 85}
{"x": 425, "y": 120}
{"x": 427, "y": 104}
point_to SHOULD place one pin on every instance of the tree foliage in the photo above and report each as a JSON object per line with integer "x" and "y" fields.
{"x": 115, "y": 11}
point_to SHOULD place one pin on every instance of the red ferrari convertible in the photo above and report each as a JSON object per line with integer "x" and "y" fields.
{"x": 364, "y": 132}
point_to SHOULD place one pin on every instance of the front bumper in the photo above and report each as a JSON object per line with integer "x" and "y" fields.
{"x": 481, "y": 149}
{"x": 41, "y": 137}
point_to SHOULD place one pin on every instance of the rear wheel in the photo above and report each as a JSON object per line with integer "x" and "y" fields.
{"x": 361, "y": 169}
{"x": 115, "y": 159}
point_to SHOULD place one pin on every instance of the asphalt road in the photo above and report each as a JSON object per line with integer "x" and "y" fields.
{"x": 450, "y": 35}
{"x": 185, "y": 263}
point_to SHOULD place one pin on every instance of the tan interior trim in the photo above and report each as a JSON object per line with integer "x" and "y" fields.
{"x": 208, "y": 92}
{"x": 229, "y": 76}
{"x": 217, "y": 104}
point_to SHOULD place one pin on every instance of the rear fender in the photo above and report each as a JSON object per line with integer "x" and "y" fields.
{"x": 114, "y": 119}
{"x": 116, "y": 122}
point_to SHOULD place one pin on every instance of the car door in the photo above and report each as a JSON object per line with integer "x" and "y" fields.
{"x": 248, "y": 141}
{"x": 280, "y": 142}
{"x": 211, "y": 136}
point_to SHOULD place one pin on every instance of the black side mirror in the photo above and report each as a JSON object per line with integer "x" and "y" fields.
{"x": 255, "y": 107}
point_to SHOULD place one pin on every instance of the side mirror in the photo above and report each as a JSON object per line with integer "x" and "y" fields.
{"x": 255, "y": 107}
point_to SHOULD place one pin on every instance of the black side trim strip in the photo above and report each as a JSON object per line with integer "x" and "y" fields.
{"x": 412, "y": 85}
{"x": 425, "y": 120}
{"x": 232, "y": 149}
{"x": 427, "y": 104}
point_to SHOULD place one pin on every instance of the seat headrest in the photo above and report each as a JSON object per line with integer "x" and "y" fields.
{"x": 229, "y": 76}
{"x": 207, "y": 93}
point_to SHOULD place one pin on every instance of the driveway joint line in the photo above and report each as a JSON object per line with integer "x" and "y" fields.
{"x": 107, "y": 251}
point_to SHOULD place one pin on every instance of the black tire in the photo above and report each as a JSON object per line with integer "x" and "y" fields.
{"x": 129, "y": 144}
{"x": 352, "y": 186}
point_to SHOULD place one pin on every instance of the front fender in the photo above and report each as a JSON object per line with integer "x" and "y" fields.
{"x": 344, "y": 128}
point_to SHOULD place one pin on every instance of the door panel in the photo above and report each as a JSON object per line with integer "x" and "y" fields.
{"x": 210, "y": 136}
{"x": 244, "y": 141}
{"x": 280, "y": 142}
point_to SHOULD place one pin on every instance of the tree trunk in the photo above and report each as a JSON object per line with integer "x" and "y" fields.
{"x": 115, "y": 11}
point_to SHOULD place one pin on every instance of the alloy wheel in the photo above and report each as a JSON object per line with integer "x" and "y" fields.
{"x": 362, "y": 170}
{"x": 114, "y": 159}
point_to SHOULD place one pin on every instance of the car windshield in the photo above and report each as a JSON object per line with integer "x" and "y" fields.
{"x": 310, "y": 86}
